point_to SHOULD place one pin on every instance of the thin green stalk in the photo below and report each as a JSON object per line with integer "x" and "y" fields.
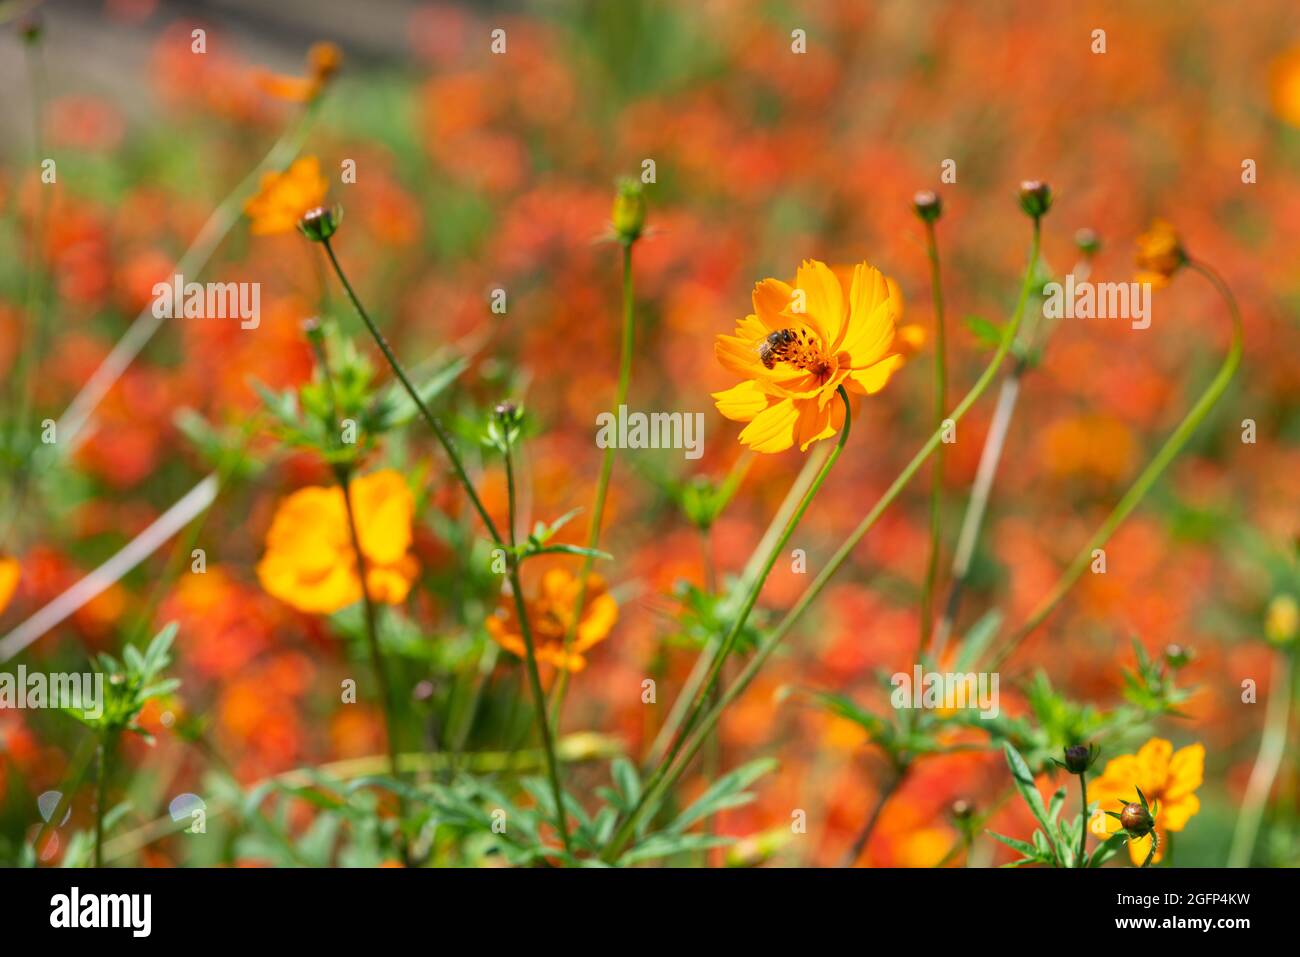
{"x": 654, "y": 786}
{"x": 812, "y": 465}
{"x": 895, "y": 782}
{"x": 1081, "y": 860}
{"x": 1150, "y": 475}
{"x": 102, "y": 769}
{"x": 344, "y": 475}
{"x": 940, "y": 405}
{"x": 1272, "y": 746}
{"x": 443, "y": 438}
{"x": 665, "y": 779}
{"x": 602, "y": 482}
{"x": 534, "y": 676}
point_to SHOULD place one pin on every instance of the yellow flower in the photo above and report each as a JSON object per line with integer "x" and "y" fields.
{"x": 309, "y": 561}
{"x": 9, "y": 574}
{"x": 1160, "y": 254}
{"x": 323, "y": 61}
{"x": 1168, "y": 778}
{"x": 550, "y": 614}
{"x": 800, "y": 344}
{"x": 283, "y": 198}
{"x": 1284, "y": 86}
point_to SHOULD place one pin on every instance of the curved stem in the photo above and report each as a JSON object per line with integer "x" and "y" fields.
{"x": 665, "y": 779}
{"x": 940, "y": 404}
{"x": 602, "y": 483}
{"x": 656, "y": 785}
{"x": 1144, "y": 482}
{"x": 443, "y": 439}
{"x": 1272, "y": 746}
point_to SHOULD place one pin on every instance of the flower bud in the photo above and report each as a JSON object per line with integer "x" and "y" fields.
{"x": 928, "y": 205}
{"x": 1136, "y": 819}
{"x": 31, "y": 27}
{"x": 320, "y": 224}
{"x": 628, "y": 215}
{"x": 1176, "y": 656}
{"x": 1283, "y": 620}
{"x": 1077, "y": 758}
{"x": 1087, "y": 241}
{"x": 1035, "y": 197}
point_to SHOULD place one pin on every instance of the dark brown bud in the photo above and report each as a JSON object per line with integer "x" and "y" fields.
{"x": 1136, "y": 819}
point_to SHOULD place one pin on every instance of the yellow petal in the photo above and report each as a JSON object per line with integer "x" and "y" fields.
{"x": 9, "y": 574}
{"x": 384, "y": 507}
{"x": 1175, "y": 814}
{"x": 771, "y": 299}
{"x": 742, "y": 402}
{"x": 874, "y": 378}
{"x": 773, "y": 429}
{"x": 824, "y": 300}
{"x": 1186, "y": 771}
{"x": 1153, "y": 759}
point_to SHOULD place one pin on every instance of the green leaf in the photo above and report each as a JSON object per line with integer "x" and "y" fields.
{"x": 1024, "y": 847}
{"x": 669, "y": 845}
{"x": 726, "y": 792}
{"x": 1024, "y": 781}
{"x": 988, "y": 333}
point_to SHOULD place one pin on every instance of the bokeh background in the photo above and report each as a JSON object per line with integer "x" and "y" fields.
{"x": 478, "y": 171}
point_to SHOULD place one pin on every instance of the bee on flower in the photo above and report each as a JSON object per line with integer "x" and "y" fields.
{"x": 800, "y": 345}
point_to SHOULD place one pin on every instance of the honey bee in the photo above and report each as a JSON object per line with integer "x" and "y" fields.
{"x": 774, "y": 346}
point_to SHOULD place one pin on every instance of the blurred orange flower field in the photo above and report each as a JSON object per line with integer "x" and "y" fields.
{"x": 671, "y": 434}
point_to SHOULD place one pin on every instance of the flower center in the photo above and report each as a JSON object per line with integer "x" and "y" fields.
{"x": 799, "y": 347}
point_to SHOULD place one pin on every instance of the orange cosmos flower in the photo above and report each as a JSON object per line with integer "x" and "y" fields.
{"x": 803, "y": 342}
{"x": 1168, "y": 778}
{"x": 323, "y": 61}
{"x": 9, "y": 573}
{"x": 1284, "y": 86}
{"x": 1160, "y": 254}
{"x": 309, "y": 561}
{"x": 550, "y": 614}
{"x": 283, "y": 198}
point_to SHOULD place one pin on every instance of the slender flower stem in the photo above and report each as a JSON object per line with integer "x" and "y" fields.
{"x": 1272, "y": 746}
{"x": 602, "y": 482}
{"x": 534, "y": 676}
{"x": 656, "y": 785}
{"x": 940, "y": 405}
{"x": 1083, "y": 825}
{"x": 895, "y": 782}
{"x": 443, "y": 438}
{"x": 1150, "y": 475}
{"x": 344, "y": 476}
{"x": 665, "y": 779}
{"x": 102, "y": 768}
{"x": 812, "y": 465}
{"x": 516, "y": 587}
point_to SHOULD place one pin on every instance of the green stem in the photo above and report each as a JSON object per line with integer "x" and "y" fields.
{"x": 102, "y": 768}
{"x": 1150, "y": 475}
{"x": 344, "y": 476}
{"x": 656, "y": 784}
{"x": 602, "y": 482}
{"x": 443, "y": 438}
{"x": 940, "y": 404}
{"x": 1272, "y": 747}
{"x": 664, "y": 779}
{"x": 534, "y": 675}
{"x": 895, "y": 782}
{"x": 1083, "y": 826}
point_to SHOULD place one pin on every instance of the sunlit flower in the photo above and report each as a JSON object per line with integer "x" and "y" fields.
{"x": 323, "y": 61}
{"x": 550, "y": 614}
{"x": 1284, "y": 86}
{"x": 1160, "y": 254}
{"x": 800, "y": 344}
{"x": 1167, "y": 778}
{"x": 309, "y": 561}
{"x": 283, "y": 198}
{"x": 9, "y": 573}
